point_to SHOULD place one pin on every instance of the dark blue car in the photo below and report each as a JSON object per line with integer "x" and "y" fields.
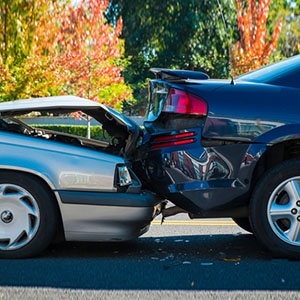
{"x": 221, "y": 148}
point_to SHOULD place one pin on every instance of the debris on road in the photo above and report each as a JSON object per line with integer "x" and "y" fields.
{"x": 206, "y": 264}
{"x": 238, "y": 234}
{"x": 232, "y": 259}
{"x": 222, "y": 255}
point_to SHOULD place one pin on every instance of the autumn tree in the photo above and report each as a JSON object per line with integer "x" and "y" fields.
{"x": 254, "y": 47}
{"x": 50, "y": 48}
{"x": 89, "y": 51}
{"x": 23, "y": 73}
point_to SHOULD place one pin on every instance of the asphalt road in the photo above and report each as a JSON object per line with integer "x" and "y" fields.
{"x": 182, "y": 259}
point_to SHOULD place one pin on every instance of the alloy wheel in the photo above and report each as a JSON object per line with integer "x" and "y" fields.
{"x": 284, "y": 211}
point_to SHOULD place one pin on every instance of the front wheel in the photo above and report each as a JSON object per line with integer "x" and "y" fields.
{"x": 28, "y": 216}
{"x": 275, "y": 209}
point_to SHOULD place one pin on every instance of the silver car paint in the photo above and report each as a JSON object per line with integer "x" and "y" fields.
{"x": 104, "y": 223}
{"x": 48, "y": 103}
{"x": 57, "y": 104}
{"x": 69, "y": 167}
{"x": 65, "y": 166}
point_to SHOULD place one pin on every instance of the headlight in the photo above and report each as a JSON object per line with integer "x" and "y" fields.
{"x": 124, "y": 176}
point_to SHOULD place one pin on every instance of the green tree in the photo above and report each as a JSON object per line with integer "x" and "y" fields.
{"x": 23, "y": 73}
{"x": 179, "y": 34}
{"x": 289, "y": 37}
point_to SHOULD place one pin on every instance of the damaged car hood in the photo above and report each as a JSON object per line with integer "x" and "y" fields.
{"x": 114, "y": 122}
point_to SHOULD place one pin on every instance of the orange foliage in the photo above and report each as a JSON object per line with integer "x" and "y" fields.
{"x": 254, "y": 48}
{"x": 87, "y": 52}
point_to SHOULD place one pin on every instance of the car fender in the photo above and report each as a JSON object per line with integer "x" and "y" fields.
{"x": 263, "y": 143}
{"x": 62, "y": 166}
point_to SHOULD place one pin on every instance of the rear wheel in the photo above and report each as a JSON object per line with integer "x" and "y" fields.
{"x": 28, "y": 216}
{"x": 244, "y": 223}
{"x": 275, "y": 209}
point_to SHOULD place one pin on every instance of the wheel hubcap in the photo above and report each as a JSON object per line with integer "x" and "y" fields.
{"x": 19, "y": 217}
{"x": 283, "y": 211}
{"x": 7, "y": 216}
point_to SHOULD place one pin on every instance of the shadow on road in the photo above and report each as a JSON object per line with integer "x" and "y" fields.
{"x": 202, "y": 262}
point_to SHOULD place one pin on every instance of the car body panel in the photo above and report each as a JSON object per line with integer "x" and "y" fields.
{"x": 255, "y": 118}
{"x": 67, "y": 167}
{"x": 82, "y": 174}
{"x": 201, "y": 180}
{"x": 115, "y": 123}
{"x": 110, "y": 221}
{"x": 61, "y": 104}
{"x": 283, "y": 73}
{"x": 213, "y": 176}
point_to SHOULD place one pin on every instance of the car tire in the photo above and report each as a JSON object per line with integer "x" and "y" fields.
{"x": 275, "y": 209}
{"x": 244, "y": 223}
{"x": 28, "y": 215}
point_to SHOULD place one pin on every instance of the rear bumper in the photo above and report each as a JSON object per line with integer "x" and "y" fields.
{"x": 90, "y": 216}
{"x": 204, "y": 181}
{"x": 215, "y": 198}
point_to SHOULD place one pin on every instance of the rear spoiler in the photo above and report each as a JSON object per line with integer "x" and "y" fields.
{"x": 177, "y": 75}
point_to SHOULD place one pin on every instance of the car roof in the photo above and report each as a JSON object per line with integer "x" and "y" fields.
{"x": 48, "y": 103}
{"x": 282, "y": 72}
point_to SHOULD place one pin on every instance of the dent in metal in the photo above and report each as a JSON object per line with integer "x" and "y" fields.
{"x": 199, "y": 179}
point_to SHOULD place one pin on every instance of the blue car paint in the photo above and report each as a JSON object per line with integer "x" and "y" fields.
{"x": 211, "y": 179}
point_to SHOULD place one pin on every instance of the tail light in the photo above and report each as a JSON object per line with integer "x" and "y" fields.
{"x": 173, "y": 137}
{"x": 181, "y": 102}
{"x": 175, "y": 143}
{"x": 173, "y": 140}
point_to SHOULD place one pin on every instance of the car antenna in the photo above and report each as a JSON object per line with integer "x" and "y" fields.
{"x": 228, "y": 43}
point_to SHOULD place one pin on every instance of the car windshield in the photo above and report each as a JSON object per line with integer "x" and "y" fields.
{"x": 273, "y": 72}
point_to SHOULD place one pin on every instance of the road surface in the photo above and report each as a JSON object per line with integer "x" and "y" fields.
{"x": 182, "y": 259}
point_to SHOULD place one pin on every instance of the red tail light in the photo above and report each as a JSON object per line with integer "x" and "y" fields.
{"x": 181, "y": 102}
{"x": 172, "y": 140}
{"x": 174, "y": 136}
{"x": 175, "y": 143}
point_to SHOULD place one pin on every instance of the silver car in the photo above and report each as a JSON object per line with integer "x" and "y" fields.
{"x": 53, "y": 183}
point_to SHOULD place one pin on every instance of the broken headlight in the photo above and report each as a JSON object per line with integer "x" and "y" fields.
{"x": 124, "y": 177}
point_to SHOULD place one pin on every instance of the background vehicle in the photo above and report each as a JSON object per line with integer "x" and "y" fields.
{"x": 219, "y": 148}
{"x": 53, "y": 183}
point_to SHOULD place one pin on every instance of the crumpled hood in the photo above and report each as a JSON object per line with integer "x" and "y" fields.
{"x": 114, "y": 122}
